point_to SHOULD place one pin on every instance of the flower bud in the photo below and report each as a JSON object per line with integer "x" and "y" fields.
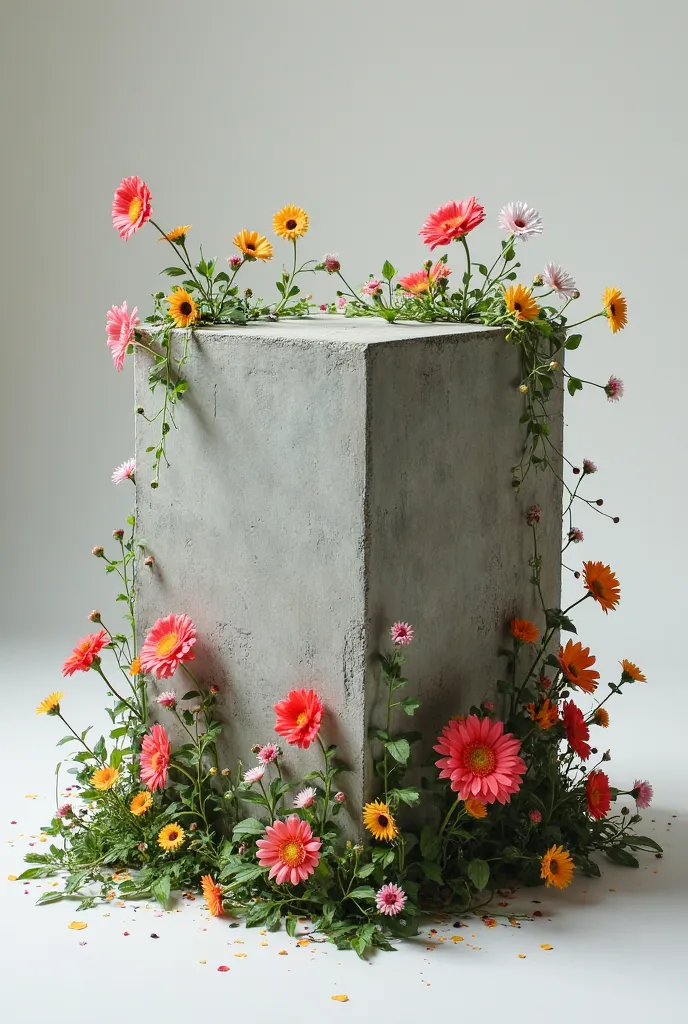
{"x": 576, "y": 294}
{"x": 615, "y": 519}
{"x": 340, "y": 797}
{"x": 94, "y": 616}
{"x": 607, "y": 756}
{"x": 535, "y": 816}
{"x": 242, "y": 848}
{"x": 142, "y": 847}
{"x": 118, "y": 534}
{"x": 248, "y": 293}
{"x": 226, "y": 772}
{"x": 537, "y": 281}
{"x": 576, "y": 470}
{"x": 149, "y": 561}
{"x": 98, "y": 551}
{"x": 599, "y": 501}
{"x": 554, "y": 365}
{"x": 212, "y": 771}
{"x": 331, "y": 263}
{"x": 255, "y": 748}
{"x": 523, "y": 388}
{"x": 625, "y": 810}
{"x": 139, "y": 409}
{"x": 213, "y": 689}
{"x": 234, "y": 261}
{"x": 533, "y": 515}
{"x": 193, "y": 826}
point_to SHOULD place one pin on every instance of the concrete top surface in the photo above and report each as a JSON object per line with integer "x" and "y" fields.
{"x": 337, "y": 329}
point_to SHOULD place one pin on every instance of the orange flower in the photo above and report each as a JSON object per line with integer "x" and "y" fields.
{"x": 524, "y": 630}
{"x": 602, "y": 584}
{"x": 576, "y": 661}
{"x": 135, "y": 667}
{"x": 600, "y": 716}
{"x": 546, "y": 715}
{"x": 616, "y": 309}
{"x": 519, "y": 301}
{"x": 629, "y": 672}
{"x": 476, "y": 808}
{"x": 212, "y": 893}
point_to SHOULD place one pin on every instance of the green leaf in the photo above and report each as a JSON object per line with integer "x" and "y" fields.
{"x": 161, "y": 889}
{"x": 248, "y": 827}
{"x": 555, "y": 618}
{"x": 174, "y": 271}
{"x": 410, "y": 705}
{"x": 574, "y": 385}
{"x": 430, "y": 842}
{"x": 399, "y": 749}
{"x": 573, "y": 341}
{"x": 190, "y": 694}
{"x": 409, "y": 796}
{"x": 248, "y": 874}
{"x": 388, "y": 270}
{"x": 431, "y": 870}
{"x": 617, "y": 855}
{"x": 65, "y": 739}
{"x": 363, "y": 892}
{"x": 222, "y": 276}
{"x": 44, "y": 872}
{"x": 365, "y": 870}
{"x": 290, "y": 925}
{"x": 642, "y": 843}
{"x": 49, "y": 897}
{"x": 478, "y": 872}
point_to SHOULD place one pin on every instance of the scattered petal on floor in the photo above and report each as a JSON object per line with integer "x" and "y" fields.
{"x": 340, "y": 999}
{"x": 223, "y": 968}
{"x": 546, "y": 945}
{"x": 77, "y": 926}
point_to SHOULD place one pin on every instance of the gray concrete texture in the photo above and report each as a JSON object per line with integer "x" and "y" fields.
{"x": 329, "y": 477}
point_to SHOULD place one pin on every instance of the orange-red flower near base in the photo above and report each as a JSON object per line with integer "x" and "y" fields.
{"x": 298, "y": 717}
{"x": 598, "y": 793}
{"x": 576, "y": 661}
{"x": 602, "y": 584}
{"x": 524, "y": 630}
{"x": 629, "y": 672}
{"x": 212, "y": 894}
{"x": 546, "y": 715}
{"x": 85, "y": 653}
{"x": 577, "y": 732}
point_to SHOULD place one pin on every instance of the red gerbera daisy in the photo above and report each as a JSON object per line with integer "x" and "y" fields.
{"x": 577, "y": 732}
{"x": 299, "y": 716}
{"x": 598, "y": 793}
{"x": 155, "y": 758}
{"x": 480, "y": 759}
{"x": 85, "y": 653}
{"x": 451, "y": 221}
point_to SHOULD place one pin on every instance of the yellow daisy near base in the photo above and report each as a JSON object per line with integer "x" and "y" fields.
{"x": 290, "y": 222}
{"x": 51, "y": 704}
{"x": 171, "y": 837}
{"x": 519, "y": 301}
{"x": 141, "y": 803}
{"x": 616, "y": 308}
{"x": 379, "y": 821}
{"x": 104, "y": 778}
{"x": 183, "y": 309}
{"x": 253, "y": 245}
{"x": 476, "y": 808}
{"x": 557, "y": 867}
{"x": 177, "y": 235}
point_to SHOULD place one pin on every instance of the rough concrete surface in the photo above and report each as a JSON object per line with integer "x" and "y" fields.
{"x": 328, "y": 477}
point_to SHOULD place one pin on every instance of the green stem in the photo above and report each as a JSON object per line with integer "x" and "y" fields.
{"x": 464, "y": 301}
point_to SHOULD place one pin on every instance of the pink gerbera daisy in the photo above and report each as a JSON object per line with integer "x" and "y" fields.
{"x": 372, "y": 287}
{"x": 305, "y": 797}
{"x": 254, "y": 774}
{"x": 342, "y": 302}
{"x": 168, "y": 644}
{"x": 131, "y": 206}
{"x": 124, "y": 472}
{"x": 642, "y": 793}
{"x": 299, "y": 717}
{"x": 520, "y": 220}
{"x": 576, "y": 535}
{"x": 268, "y": 753}
{"x": 589, "y": 466}
{"x": 120, "y": 325}
{"x": 167, "y": 699}
{"x": 614, "y": 389}
{"x": 559, "y": 280}
{"x": 85, "y": 653}
{"x": 451, "y": 221}
{"x": 480, "y": 759}
{"x": 402, "y": 633}
{"x": 390, "y": 899}
{"x": 290, "y": 850}
{"x": 155, "y": 758}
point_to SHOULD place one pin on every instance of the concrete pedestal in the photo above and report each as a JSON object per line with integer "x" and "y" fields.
{"x": 329, "y": 477}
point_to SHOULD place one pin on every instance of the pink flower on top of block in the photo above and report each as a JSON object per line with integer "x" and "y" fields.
{"x": 120, "y": 325}
{"x": 452, "y": 221}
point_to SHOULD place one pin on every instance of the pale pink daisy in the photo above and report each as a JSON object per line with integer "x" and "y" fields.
{"x": 575, "y": 535}
{"x": 331, "y": 262}
{"x": 614, "y": 389}
{"x": 167, "y": 699}
{"x": 390, "y": 899}
{"x": 342, "y": 302}
{"x": 124, "y": 472}
{"x": 169, "y": 643}
{"x": 268, "y": 753}
{"x": 131, "y": 206}
{"x": 589, "y": 466}
{"x": 305, "y": 797}
{"x": 120, "y": 325}
{"x": 642, "y": 793}
{"x": 520, "y": 220}
{"x": 254, "y": 774}
{"x": 290, "y": 850}
{"x": 372, "y": 287}
{"x": 402, "y": 633}
{"x": 559, "y": 280}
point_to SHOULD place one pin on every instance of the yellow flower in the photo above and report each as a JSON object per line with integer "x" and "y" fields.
{"x": 290, "y": 222}
{"x": 379, "y": 821}
{"x": 177, "y": 234}
{"x": 600, "y": 716}
{"x": 135, "y": 667}
{"x": 557, "y": 867}
{"x": 51, "y": 704}
{"x": 183, "y": 309}
{"x": 141, "y": 803}
{"x": 171, "y": 837}
{"x": 519, "y": 301}
{"x": 476, "y": 808}
{"x": 104, "y": 778}
{"x": 616, "y": 308}
{"x": 253, "y": 245}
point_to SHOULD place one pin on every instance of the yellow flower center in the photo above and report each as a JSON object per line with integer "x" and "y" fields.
{"x": 156, "y": 761}
{"x": 135, "y": 207}
{"x": 302, "y": 718}
{"x": 481, "y": 760}
{"x": 168, "y": 642}
{"x": 293, "y": 853}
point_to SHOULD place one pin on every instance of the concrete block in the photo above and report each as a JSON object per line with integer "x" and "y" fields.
{"x": 329, "y": 477}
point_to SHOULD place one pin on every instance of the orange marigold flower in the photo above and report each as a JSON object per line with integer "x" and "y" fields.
{"x": 135, "y": 667}
{"x": 546, "y": 715}
{"x": 600, "y": 716}
{"x": 631, "y": 672}
{"x": 602, "y": 584}
{"x": 476, "y": 808}
{"x": 557, "y": 867}
{"x": 519, "y": 301}
{"x": 212, "y": 893}
{"x": 576, "y": 661}
{"x": 616, "y": 309}
{"x": 524, "y": 630}
{"x": 104, "y": 778}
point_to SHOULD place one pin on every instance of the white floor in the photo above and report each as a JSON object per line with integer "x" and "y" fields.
{"x": 618, "y": 945}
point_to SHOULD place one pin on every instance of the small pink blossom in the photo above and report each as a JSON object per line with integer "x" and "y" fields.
{"x": 559, "y": 280}
{"x": 614, "y": 389}
{"x": 331, "y": 262}
{"x": 323, "y": 307}
{"x": 305, "y": 797}
{"x": 402, "y": 633}
{"x": 340, "y": 797}
{"x": 535, "y": 816}
{"x": 642, "y": 792}
{"x": 124, "y": 472}
{"x": 120, "y": 325}
{"x": 268, "y": 753}
{"x": 589, "y": 466}
{"x": 342, "y": 302}
{"x": 372, "y": 287}
{"x": 64, "y": 811}
{"x": 167, "y": 699}
{"x": 254, "y": 774}
{"x": 390, "y": 899}
{"x": 520, "y": 220}
{"x": 533, "y": 515}
{"x": 235, "y": 261}
{"x": 575, "y": 535}
{"x": 489, "y": 705}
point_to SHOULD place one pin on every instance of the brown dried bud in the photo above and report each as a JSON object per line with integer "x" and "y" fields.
{"x": 193, "y": 826}
{"x": 94, "y": 616}
{"x": 118, "y": 534}
{"x": 98, "y": 551}
{"x": 226, "y": 772}
{"x": 149, "y": 561}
